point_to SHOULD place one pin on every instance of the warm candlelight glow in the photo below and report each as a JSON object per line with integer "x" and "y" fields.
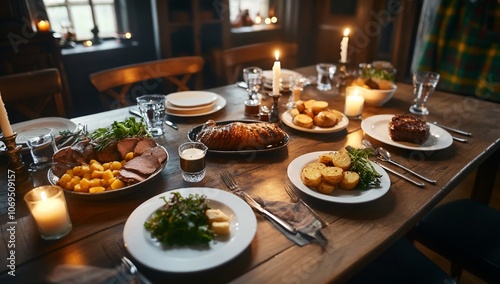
{"x": 276, "y": 74}
{"x": 346, "y": 32}
{"x": 43, "y": 26}
{"x": 354, "y": 101}
{"x": 274, "y": 20}
{"x": 127, "y": 35}
{"x": 4, "y": 120}
{"x": 267, "y": 21}
{"x": 87, "y": 43}
{"x": 277, "y": 54}
{"x": 343, "y": 46}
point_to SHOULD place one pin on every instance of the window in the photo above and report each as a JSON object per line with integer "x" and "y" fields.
{"x": 249, "y": 12}
{"x": 81, "y": 16}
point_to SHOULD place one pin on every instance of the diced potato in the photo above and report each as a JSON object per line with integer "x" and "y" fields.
{"x": 117, "y": 183}
{"x": 95, "y": 182}
{"x": 65, "y": 178}
{"x": 86, "y": 169}
{"x": 96, "y": 167}
{"x": 107, "y": 175}
{"x": 76, "y": 179}
{"x": 84, "y": 184}
{"x": 220, "y": 228}
{"x": 96, "y": 174}
{"x": 78, "y": 188}
{"x": 105, "y": 166}
{"x": 70, "y": 172}
{"x": 93, "y": 161}
{"x": 129, "y": 156}
{"x": 96, "y": 189}
{"x": 77, "y": 171}
{"x": 115, "y": 165}
{"x": 216, "y": 215}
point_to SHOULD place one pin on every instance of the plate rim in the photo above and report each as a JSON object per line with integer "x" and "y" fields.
{"x": 223, "y": 122}
{"x": 209, "y": 100}
{"x": 52, "y": 178}
{"x": 287, "y": 120}
{"x": 244, "y": 232}
{"x": 24, "y": 124}
{"x": 367, "y": 123}
{"x": 220, "y": 103}
{"x": 293, "y": 173}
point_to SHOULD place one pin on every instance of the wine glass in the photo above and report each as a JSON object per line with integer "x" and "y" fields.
{"x": 424, "y": 83}
{"x": 253, "y": 78}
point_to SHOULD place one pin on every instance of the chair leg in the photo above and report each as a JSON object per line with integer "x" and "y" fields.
{"x": 485, "y": 178}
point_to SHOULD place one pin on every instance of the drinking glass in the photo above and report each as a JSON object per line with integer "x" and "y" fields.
{"x": 192, "y": 161}
{"x": 253, "y": 78}
{"x": 424, "y": 83}
{"x": 326, "y": 71}
{"x": 42, "y": 147}
{"x": 297, "y": 83}
{"x": 152, "y": 109}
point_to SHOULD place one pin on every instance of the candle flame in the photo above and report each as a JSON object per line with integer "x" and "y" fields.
{"x": 128, "y": 35}
{"x": 43, "y": 195}
{"x": 346, "y": 32}
{"x": 277, "y": 55}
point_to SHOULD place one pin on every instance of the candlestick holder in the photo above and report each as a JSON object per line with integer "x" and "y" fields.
{"x": 275, "y": 109}
{"x": 342, "y": 77}
{"x": 15, "y": 159}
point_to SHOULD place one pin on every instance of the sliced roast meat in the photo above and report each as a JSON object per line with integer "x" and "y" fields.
{"x": 108, "y": 154}
{"x": 143, "y": 165}
{"x": 143, "y": 145}
{"x": 126, "y": 145}
{"x": 130, "y": 177}
{"x": 158, "y": 152}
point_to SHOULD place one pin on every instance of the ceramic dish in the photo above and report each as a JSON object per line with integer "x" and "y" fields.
{"x": 338, "y": 195}
{"x": 191, "y": 99}
{"x": 288, "y": 120}
{"x": 377, "y": 127}
{"x": 220, "y": 103}
{"x": 189, "y": 110}
{"x": 193, "y": 133}
{"x": 53, "y": 179}
{"x": 25, "y": 129}
{"x": 285, "y": 77}
{"x": 151, "y": 253}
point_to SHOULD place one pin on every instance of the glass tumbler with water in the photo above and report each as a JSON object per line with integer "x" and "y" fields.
{"x": 326, "y": 72}
{"x": 192, "y": 161}
{"x": 42, "y": 146}
{"x": 152, "y": 108}
{"x": 423, "y": 85}
{"x": 253, "y": 78}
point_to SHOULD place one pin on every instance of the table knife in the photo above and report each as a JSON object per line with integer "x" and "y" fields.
{"x": 167, "y": 122}
{"x": 452, "y": 129}
{"x": 254, "y": 204}
{"x": 420, "y": 184}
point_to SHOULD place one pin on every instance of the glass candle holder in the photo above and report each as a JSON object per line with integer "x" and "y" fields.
{"x": 354, "y": 102}
{"x": 48, "y": 207}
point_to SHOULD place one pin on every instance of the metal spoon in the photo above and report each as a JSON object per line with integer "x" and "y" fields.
{"x": 384, "y": 155}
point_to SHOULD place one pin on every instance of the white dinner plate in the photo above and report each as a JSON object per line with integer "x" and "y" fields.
{"x": 288, "y": 120}
{"x": 191, "y": 98}
{"x": 338, "y": 195}
{"x": 148, "y": 251}
{"x": 220, "y": 103}
{"x": 377, "y": 127}
{"x": 189, "y": 110}
{"x": 285, "y": 77}
{"x": 25, "y": 129}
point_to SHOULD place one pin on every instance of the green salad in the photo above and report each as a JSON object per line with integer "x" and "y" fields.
{"x": 368, "y": 176}
{"x": 181, "y": 221}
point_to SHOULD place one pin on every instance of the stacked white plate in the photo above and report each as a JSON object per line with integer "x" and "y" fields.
{"x": 193, "y": 103}
{"x": 285, "y": 78}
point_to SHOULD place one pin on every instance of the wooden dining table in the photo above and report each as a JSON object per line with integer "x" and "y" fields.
{"x": 356, "y": 233}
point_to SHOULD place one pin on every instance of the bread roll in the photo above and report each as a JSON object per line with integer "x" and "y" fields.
{"x": 325, "y": 119}
{"x": 300, "y": 106}
{"x": 303, "y": 120}
{"x": 319, "y": 106}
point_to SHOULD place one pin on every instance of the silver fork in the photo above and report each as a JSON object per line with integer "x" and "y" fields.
{"x": 231, "y": 184}
{"x": 127, "y": 270}
{"x": 296, "y": 199}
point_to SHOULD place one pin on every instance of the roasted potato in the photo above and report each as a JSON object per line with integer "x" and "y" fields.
{"x": 350, "y": 180}
{"x": 311, "y": 176}
{"x": 332, "y": 175}
{"x": 342, "y": 160}
{"x": 325, "y": 188}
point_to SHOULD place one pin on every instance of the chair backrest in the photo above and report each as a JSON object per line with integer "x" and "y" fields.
{"x": 260, "y": 54}
{"x": 30, "y": 93}
{"x": 177, "y": 70}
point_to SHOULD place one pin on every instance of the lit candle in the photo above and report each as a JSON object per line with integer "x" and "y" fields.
{"x": 4, "y": 120}
{"x": 43, "y": 26}
{"x": 87, "y": 43}
{"x": 353, "y": 103}
{"x": 276, "y": 74}
{"x": 343, "y": 46}
{"x": 127, "y": 35}
{"x": 49, "y": 210}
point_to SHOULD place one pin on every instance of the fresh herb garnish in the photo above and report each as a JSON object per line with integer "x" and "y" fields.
{"x": 375, "y": 73}
{"x": 368, "y": 176}
{"x": 119, "y": 130}
{"x": 181, "y": 221}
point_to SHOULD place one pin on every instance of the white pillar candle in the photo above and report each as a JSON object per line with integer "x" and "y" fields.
{"x": 4, "y": 120}
{"x": 353, "y": 102}
{"x": 51, "y": 216}
{"x": 343, "y": 46}
{"x": 276, "y": 74}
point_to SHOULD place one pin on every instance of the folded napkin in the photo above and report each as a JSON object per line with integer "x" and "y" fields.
{"x": 80, "y": 274}
{"x": 296, "y": 214}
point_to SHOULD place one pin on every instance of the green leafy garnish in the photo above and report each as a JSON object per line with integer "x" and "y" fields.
{"x": 181, "y": 221}
{"x": 375, "y": 73}
{"x": 119, "y": 130}
{"x": 368, "y": 176}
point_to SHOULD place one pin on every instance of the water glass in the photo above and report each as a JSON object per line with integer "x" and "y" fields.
{"x": 48, "y": 207}
{"x": 42, "y": 147}
{"x": 297, "y": 83}
{"x": 326, "y": 72}
{"x": 423, "y": 85}
{"x": 152, "y": 109}
{"x": 192, "y": 161}
{"x": 253, "y": 78}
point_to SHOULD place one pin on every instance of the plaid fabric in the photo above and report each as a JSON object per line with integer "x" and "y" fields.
{"x": 464, "y": 48}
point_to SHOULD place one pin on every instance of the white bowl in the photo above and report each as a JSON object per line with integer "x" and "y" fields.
{"x": 378, "y": 97}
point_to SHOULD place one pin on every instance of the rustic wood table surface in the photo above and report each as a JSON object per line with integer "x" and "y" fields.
{"x": 356, "y": 233}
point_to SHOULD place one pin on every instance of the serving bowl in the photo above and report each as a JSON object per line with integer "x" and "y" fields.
{"x": 375, "y": 97}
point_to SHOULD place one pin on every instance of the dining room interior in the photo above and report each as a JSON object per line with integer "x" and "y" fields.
{"x": 104, "y": 54}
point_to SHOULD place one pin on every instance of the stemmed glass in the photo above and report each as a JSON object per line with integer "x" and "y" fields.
{"x": 253, "y": 78}
{"x": 424, "y": 83}
{"x": 297, "y": 83}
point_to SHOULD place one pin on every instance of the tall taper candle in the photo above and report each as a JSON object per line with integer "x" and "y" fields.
{"x": 4, "y": 120}
{"x": 276, "y": 74}
{"x": 343, "y": 46}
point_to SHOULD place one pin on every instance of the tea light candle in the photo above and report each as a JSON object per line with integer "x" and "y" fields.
{"x": 276, "y": 74}
{"x": 4, "y": 120}
{"x": 48, "y": 207}
{"x": 43, "y": 26}
{"x": 343, "y": 46}
{"x": 353, "y": 103}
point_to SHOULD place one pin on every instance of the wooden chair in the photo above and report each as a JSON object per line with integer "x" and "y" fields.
{"x": 31, "y": 93}
{"x": 261, "y": 55}
{"x": 177, "y": 70}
